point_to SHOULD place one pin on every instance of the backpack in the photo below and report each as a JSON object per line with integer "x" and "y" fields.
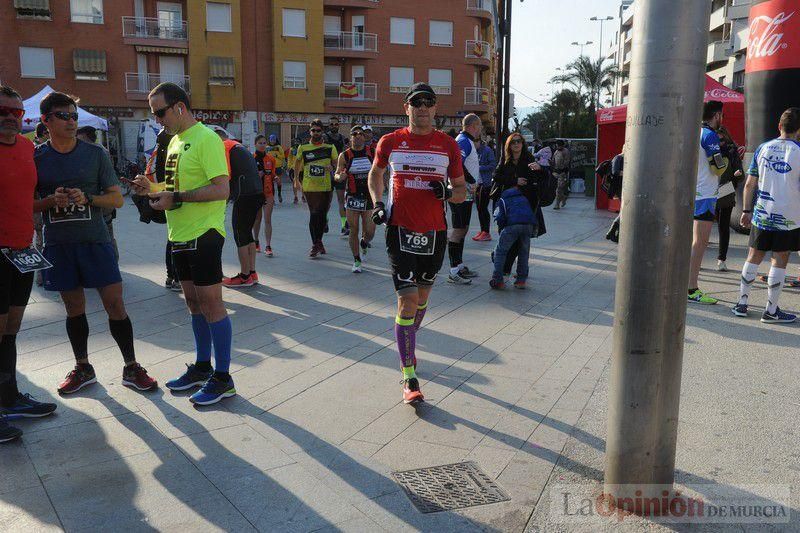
{"x": 548, "y": 186}
{"x": 604, "y": 171}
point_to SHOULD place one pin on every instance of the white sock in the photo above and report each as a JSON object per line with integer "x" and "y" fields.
{"x": 774, "y": 285}
{"x": 454, "y": 270}
{"x": 749, "y": 273}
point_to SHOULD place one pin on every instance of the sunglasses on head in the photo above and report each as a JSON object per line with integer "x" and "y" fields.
{"x": 163, "y": 111}
{"x": 420, "y": 101}
{"x": 13, "y": 111}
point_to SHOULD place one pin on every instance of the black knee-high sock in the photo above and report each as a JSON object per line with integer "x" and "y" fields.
{"x": 456, "y": 252}
{"x": 8, "y": 370}
{"x": 122, "y": 331}
{"x": 78, "y": 333}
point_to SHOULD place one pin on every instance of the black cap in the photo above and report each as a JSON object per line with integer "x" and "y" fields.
{"x": 420, "y": 88}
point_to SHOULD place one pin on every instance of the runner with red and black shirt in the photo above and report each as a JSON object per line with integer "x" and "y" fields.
{"x": 353, "y": 170}
{"x": 423, "y": 159}
{"x": 18, "y": 260}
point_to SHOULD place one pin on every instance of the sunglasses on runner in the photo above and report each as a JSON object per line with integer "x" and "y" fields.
{"x": 161, "y": 112}
{"x": 64, "y": 115}
{"x": 13, "y": 111}
{"x": 422, "y": 101}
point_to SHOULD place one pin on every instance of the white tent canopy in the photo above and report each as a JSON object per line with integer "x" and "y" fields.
{"x": 32, "y": 113}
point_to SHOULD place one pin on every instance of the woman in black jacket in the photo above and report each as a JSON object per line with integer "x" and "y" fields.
{"x": 726, "y": 201}
{"x": 519, "y": 168}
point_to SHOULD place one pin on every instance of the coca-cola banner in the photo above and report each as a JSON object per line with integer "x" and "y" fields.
{"x": 774, "y": 36}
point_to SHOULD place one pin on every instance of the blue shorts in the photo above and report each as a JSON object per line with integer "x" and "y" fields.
{"x": 89, "y": 265}
{"x": 705, "y": 209}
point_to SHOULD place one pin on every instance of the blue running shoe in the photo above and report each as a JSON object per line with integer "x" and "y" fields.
{"x": 191, "y": 378}
{"x": 25, "y": 406}
{"x": 778, "y": 317}
{"x": 213, "y": 391}
{"x": 739, "y": 310}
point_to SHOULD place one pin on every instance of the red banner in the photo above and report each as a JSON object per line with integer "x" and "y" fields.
{"x": 774, "y": 36}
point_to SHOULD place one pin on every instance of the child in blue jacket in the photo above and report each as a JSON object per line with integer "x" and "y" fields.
{"x": 517, "y": 223}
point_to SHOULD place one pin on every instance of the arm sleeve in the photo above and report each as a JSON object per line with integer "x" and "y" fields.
{"x": 455, "y": 169}
{"x": 213, "y": 158}
{"x": 382, "y": 151}
{"x": 753, "y": 168}
{"x": 107, "y": 174}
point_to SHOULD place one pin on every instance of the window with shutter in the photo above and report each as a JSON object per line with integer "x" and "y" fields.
{"x": 400, "y": 79}
{"x": 402, "y": 31}
{"x": 294, "y": 75}
{"x": 221, "y": 71}
{"x": 89, "y": 64}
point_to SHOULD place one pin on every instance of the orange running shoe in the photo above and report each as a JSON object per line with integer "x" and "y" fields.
{"x": 411, "y": 392}
{"x": 238, "y": 281}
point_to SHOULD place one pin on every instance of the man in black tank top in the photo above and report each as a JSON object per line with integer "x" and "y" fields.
{"x": 352, "y": 170}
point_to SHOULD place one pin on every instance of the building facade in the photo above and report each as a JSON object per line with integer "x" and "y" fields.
{"x": 253, "y": 66}
{"x": 728, "y": 33}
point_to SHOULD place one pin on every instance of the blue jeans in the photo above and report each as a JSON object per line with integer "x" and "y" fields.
{"x": 516, "y": 238}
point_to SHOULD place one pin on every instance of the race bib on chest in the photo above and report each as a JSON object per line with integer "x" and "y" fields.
{"x": 71, "y": 213}
{"x": 356, "y": 203}
{"x": 316, "y": 171}
{"x": 417, "y": 243}
{"x": 27, "y": 260}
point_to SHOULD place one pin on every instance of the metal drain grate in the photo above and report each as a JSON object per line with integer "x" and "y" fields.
{"x": 441, "y": 488}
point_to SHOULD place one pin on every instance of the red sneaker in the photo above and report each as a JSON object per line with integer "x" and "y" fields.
{"x": 136, "y": 377}
{"x": 322, "y": 248}
{"x": 485, "y": 236}
{"x": 477, "y": 236}
{"x": 254, "y": 278}
{"x": 238, "y": 281}
{"x": 268, "y": 251}
{"x": 520, "y": 285}
{"x": 258, "y": 247}
{"x": 314, "y": 251}
{"x": 411, "y": 392}
{"x": 77, "y": 379}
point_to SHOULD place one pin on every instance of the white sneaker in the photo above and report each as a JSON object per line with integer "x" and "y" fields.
{"x": 458, "y": 280}
{"x": 721, "y": 266}
{"x": 356, "y": 267}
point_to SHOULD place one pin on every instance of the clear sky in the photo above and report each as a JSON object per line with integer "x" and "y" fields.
{"x": 541, "y": 34}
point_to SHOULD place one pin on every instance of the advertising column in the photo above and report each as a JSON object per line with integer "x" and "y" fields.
{"x": 772, "y": 71}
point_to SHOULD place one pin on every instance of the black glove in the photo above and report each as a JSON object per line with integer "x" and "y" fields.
{"x": 441, "y": 191}
{"x": 379, "y": 213}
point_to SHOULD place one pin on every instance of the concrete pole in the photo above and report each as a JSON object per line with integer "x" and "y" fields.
{"x": 507, "y": 71}
{"x": 501, "y": 16}
{"x": 663, "y": 129}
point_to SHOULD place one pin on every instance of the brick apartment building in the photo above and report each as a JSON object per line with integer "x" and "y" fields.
{"x": 254, "y": 65}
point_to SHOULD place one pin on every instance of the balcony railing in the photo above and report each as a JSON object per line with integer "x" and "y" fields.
{"x": 442, "y": 89}
{"x": 351, "y": 91}
{"x": 144, "y": 82}
{"x": 478, "y": 50}
{"x": 351, "y": 41}
{"x": 479, "y": 5}
{"x": 476, "y": 96}
{"x": 152, "y": 28}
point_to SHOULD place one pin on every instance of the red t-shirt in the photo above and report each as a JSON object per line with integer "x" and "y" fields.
{"x": 266, "y": 166}
{"x": 415, "y": 161}
{"x": 17, "y": 184}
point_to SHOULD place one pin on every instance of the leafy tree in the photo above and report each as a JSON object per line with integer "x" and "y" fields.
{"x": 589, "y": 76}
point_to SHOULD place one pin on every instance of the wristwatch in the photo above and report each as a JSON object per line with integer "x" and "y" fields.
{"x": 177, "y": 201}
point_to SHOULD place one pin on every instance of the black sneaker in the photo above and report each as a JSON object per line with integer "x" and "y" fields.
{"x": 25, "y": 406}
{"x": 8, "y": 433}
{"x": 168, "y": 283}
{"x": 467, "y": 273}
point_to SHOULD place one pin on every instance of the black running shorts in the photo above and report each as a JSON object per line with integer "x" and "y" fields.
{"x": 775, "y": 241}
{"x": 461, "y": 214}
{"x": 15, "y": 287}
{"x": 412, "y": 270}
{"x": 199, "y": 260}
{"x": 243, "y": 216}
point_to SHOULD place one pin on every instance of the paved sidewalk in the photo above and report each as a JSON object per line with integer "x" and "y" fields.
{"x": 514, "y": 380}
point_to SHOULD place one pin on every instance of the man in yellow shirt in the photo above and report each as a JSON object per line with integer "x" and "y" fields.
{"x": 196, "y": 189}
{"x": 314, "y": 168}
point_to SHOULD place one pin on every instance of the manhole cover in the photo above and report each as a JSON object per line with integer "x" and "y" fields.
{"x": 441, "y": 488}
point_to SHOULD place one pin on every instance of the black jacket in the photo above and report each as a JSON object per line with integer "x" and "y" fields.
{"x": 506, "y": 175}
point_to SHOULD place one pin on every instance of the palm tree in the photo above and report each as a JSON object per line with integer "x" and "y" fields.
{"x": 594, "y": 76}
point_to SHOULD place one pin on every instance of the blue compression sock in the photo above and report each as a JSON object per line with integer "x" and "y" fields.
{"x": 202, "y": 338}
{"x": 222, "y": 336}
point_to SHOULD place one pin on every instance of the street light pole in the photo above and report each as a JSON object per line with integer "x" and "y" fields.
{"x": 576, "y": 43}
{"x": 664, "y": 112}
{"x": 601, "y": 20}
